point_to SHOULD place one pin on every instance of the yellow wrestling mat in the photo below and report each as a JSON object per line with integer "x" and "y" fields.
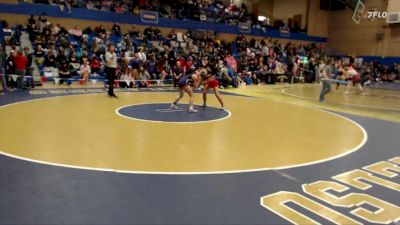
{"x": 376, "y": 103}
{"x": 373, "y": 99}
{"x": 84, "y": 131}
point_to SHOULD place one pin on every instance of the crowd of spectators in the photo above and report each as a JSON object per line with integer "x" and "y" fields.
{"x": 370, "y": 72}
{"x": 375, "y": 72}
{"x": 150, "y": 55}
{"x": 197, "y": 10}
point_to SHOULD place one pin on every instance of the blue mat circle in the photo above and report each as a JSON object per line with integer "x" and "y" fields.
{"x": 161, "y": 112}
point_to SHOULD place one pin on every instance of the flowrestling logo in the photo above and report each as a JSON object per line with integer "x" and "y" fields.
{"x": 390, "y": 17}
{"x": 377, "y": 15}
{"x": 361, "y": 12}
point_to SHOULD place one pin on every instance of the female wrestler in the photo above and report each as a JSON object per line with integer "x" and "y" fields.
{"x": 210, "y": 81}
{"x": 353, "y": 78}
{"x": 185, "y": 84}
{"x": 341, "y": 75}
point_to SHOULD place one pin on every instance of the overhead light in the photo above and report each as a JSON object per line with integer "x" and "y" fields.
{"x": 261, "y": 18}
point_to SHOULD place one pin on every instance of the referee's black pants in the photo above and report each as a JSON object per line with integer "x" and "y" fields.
{"x": 110, "y": 72}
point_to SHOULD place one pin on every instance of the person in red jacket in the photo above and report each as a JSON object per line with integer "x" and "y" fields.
{"x": 20, "y": 62}
{"x": 95, "y": 65}
{"x": 187, "y": 64}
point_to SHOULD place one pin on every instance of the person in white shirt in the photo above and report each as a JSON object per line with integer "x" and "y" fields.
{"x": 85, "y": 71}
{"x": 128, "y": 78}
{"x": 76, "y": 32}
{"x": 111, "y": 66}
{"x": 142, "y": 55}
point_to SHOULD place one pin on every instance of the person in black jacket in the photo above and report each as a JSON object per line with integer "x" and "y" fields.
{"x": 50, "y": 60}
{"x": 29, "y": 56}
{"x": 64, "y": 72}
{"x": 10, "y": 70}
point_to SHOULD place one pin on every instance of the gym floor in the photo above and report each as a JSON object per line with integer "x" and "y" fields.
{"x": 273, "y": 156}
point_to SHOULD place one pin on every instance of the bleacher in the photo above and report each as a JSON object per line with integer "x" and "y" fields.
{"x": 53, "y": 11}
{"x": 85, "y": 14}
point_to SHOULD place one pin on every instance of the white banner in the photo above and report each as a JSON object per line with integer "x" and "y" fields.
{"x": 14, "y": 77}
{"x": 48, "y": 74}
{"x": 56, "y": 80}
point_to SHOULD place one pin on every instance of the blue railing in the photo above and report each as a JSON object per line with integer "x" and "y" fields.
{"x": 85, "y": 14}
{"x": 382, "y": 60}
{"x": 390, "y": 60}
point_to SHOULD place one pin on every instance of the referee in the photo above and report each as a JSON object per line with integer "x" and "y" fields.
{"x": 111, "y": 66}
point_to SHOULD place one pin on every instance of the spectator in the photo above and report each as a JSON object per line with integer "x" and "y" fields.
{"x": 55, "y": 29}
{"x": 61, "y": 58}
{"x": 116, "y": 29}
{"x": 224, "y": 78}
{"x": 90, "y": 5}
{"x": 42, "y": 22}
{"x": 64, "y": 72}
{"x": 76, "y": 32}
{"x": 32, "y": 28}
{"x": 142, "y": 55}
{"x": 262, "y": 74}
{"x": 31, "y": 21}
{"x": 232, "y": 64}
{"x": 135, "y": 62}
{"x": 166, "y": 71}
{"x": 29, "y": 57}
{"x": 64, "y": 3}
{"x": 74, "y": 64}
{"x": 177, "y": 73}
{"x": 187, "y": 64}
{"x": 100, "y": 30}
{"x": 152, "y": 67}
{"x": 85, "y": 71}
{"x": 118, "y": 8}
{"x": 95, "y": 65}
{"x": 50, "y": 60}
{"x": 142, "y": 77}
{"x": 10, "y": 70}
{"x": 39, "y": 56}
{"x": 20, "y": 62}
{"x": 127, "y": 78}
